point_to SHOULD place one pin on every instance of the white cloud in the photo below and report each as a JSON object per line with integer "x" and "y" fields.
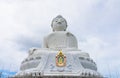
{"x": 11, "y": 57}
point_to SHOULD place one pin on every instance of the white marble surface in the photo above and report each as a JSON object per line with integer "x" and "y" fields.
{"x": 42, "y": 60}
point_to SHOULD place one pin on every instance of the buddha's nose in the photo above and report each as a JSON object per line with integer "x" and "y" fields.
{"x": 59, "y": 22}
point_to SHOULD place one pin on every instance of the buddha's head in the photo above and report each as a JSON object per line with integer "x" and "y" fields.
{"x": 59, "y": 24}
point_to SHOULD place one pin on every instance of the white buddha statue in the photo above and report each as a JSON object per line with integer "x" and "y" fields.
{"x": 60, "y": 38}
{"x": 59, "y": 57}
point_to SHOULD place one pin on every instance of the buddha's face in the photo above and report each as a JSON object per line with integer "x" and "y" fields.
{"x": 59, "y": 24}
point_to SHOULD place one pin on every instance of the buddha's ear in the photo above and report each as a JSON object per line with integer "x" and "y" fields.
{"x": 52, "y": 23}
{"x": 52, "y": 26}
{"x": 66, "y": 27}
{"x": 53, "y": 30}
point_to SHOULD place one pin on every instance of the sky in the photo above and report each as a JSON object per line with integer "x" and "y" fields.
{"x": 95, "y": 23}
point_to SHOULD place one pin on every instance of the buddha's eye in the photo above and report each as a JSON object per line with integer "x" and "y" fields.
{"x": 62, "y": 20}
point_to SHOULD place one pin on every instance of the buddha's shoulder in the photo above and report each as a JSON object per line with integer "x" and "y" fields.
{"x": 65, "y": 33}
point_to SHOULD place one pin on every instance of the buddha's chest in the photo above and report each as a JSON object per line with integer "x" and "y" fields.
{"x": 58, "y": 41}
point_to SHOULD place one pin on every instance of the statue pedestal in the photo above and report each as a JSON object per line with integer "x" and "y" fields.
{"x": 77, "y": 63}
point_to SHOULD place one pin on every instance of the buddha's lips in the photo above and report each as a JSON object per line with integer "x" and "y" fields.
{"x": 59, "y": 23}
